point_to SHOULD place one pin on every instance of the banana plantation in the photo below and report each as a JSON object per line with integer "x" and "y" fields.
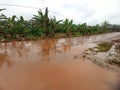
{"x": 41, "y": 26}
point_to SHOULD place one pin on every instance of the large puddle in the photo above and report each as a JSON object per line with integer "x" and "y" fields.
{"x": 54, "y": 64}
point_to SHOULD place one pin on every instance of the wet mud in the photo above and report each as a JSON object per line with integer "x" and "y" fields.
{"x": 54, "y": 64}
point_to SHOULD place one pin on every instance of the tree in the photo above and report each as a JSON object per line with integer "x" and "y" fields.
{"x": 2, "y": 16}
{"x": 42, "y": 21}
{"x": 95, "y": 29}
{"x": 39, "y": 19}
{"x": 11, "y": 26}
{"x": 105, "y": 26}
{"x": 68, "y": 26}
{"x": 84, "y": 29}
{"x": 46, "y": 23}
{"x": 2, "y": 9}
{"x": 54, "y": 23}
{"x": 20, "y": 27}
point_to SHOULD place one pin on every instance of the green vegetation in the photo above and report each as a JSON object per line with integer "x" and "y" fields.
{"x": 40, "y": 26}
{"x": 104, "y": 47}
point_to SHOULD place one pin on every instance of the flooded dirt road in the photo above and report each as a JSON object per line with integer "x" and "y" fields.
{"x": 54, "y": 64}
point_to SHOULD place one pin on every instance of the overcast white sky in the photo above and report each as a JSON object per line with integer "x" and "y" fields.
{"x": 90, "y": 11}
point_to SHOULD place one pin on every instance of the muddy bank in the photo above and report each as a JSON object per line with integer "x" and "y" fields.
{"x": 105, "y": 54}
{"x": 54, "y": 64}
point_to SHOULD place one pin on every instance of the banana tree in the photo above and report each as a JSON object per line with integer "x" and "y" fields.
{"x": 42, "y": 21}
{"x": 84, "y": 29}
{"x": 46, "y": 23}
{"x": 2, "y": 9}
{"x": 54, "y": 23}
{"x": 68, "y": 26}
{"x": 105, "y": 26}
{"x": 2, "y": 24}
{"x": 2, "y": 16}
{"x": 20, "y": 27}
{"x": 11, "y": 26}
{"x": 39, "y": 19}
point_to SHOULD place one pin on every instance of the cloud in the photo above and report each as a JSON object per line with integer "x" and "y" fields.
{"x": 90, "y": 11}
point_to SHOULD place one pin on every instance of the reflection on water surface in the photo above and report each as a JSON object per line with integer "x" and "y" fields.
{"x": 53, "y": 64}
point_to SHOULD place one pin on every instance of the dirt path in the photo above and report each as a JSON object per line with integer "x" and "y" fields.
{"x": 53, "y": 64}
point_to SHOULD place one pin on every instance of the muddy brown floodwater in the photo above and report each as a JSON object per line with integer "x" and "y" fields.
{"x": 53, "y": 64}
